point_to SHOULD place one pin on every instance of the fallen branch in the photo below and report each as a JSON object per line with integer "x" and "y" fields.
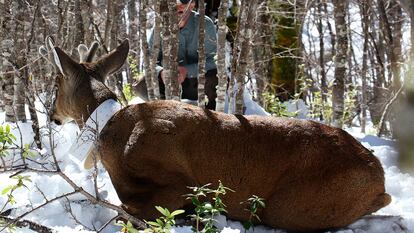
{"x": 26, "y": 223}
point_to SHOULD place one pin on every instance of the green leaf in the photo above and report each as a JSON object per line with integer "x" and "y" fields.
{"x": 163, "y": 211}
{"x": 132, "y": 230}
{"x": 8, "y": 129}
{"x": 154, "y": 224}
{"x": 7, "y": 189}
{"x": 177, "y": 212}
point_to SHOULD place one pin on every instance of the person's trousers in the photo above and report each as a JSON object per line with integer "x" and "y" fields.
{"x": 190, "y": 88}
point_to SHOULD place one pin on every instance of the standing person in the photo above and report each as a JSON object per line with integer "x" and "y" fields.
{"x": 188, "y": 55}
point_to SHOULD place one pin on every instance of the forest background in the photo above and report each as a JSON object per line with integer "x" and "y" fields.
{"x": 349, "y": 61}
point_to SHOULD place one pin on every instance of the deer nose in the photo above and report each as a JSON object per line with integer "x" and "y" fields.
{"x": 57, "y": 122}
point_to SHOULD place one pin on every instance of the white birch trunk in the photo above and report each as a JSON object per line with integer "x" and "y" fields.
{"x": 221, "y": 56}
{"x": 201, "y": 55}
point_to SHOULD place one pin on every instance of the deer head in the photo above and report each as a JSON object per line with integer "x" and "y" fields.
{"x": 80, "y": 88}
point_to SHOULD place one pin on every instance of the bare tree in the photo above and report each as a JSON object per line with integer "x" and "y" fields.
{"x": 364, "y": 9}
{"x": 155, "y": 50}
{"x": 240, "y": 65}
{"x": 145, "y": 48}
{"x": 341, "y": 46}
{"x": 201, "y": 54}
{"x": 221, "y": 56}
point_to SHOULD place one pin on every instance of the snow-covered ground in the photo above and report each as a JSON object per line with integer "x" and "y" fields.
{"x": 56, "y": 215}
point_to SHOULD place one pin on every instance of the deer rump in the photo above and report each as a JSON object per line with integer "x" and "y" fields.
{"x": 311, "y": 176}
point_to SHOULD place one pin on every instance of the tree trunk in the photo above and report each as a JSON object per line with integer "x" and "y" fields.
{"x": 115, "y": 81}
{"x": 242, "y": 58}
{"x": 7, "y": 66}
{"x": 170, "y": 49}
{"x": 201, "y": 55}
{"x": 133, "y": 33}
{"x": 173, "y": 49}
{"x": 262, "y": 50}
{"x": 4, "y": 19}
{"x": 364, "y": 9}
{"x": 155, "y": 48}
{"x": 79, "y": 37}
{"x": 145, "y": 49}
{"x": 324, "y": 84}
{"x": 286, "y": 33}
{"x": 221, "y": 55}
{"x": 341, "y": 47}
{"x": 20, "y": 52}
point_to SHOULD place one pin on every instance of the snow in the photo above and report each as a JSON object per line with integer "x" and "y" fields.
{"x": 55, "y": 215}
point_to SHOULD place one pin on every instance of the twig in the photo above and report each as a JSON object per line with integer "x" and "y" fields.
{"x": 68, "y": 209}
{"x": 26, "y": 223}
{"x": 106, "y": 224}
{"x": 38, "y": 207}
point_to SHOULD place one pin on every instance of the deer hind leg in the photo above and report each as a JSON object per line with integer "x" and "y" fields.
{"x": 324, "y": 201}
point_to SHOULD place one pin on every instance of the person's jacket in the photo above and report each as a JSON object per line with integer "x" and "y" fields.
{"x": 188, "y": 45}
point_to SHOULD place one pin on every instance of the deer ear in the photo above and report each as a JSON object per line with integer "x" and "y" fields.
{"x": 67, "y": 66}
{"x": 83, "y": 52}
{"x": 114, "y": 60}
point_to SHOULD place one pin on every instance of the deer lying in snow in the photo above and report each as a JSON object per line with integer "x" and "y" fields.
{"x": 311, "y": 176}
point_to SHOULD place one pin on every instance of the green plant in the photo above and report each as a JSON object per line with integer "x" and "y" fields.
{"x": 205, "y": 211}
{"x": 350, "y": 106}
{"x": 11, "y": 188}
{"x": 127, "y": 227}
{"x": 164, "y": 223}
{"x": 133, "y": 67}
{"x": 254, "y": 203}
{"x": 10, "y": 227}
{"x": 274, "y": 106}
{"x": 321, "y": 109}
{"x": 6, "y": 140}
{"x": 126, "y": 89}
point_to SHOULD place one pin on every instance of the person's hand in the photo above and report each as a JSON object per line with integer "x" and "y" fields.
{"x": 182, "y": 74}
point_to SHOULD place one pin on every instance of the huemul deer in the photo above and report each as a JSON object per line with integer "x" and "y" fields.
{"x": 311, "y": 176}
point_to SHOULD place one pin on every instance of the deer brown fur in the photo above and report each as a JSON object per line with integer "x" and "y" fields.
{"x": 311, "y": 176}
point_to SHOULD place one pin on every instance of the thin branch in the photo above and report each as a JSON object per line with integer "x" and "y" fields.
{"x": 26, "y": 223}
{"x": 38, "y": 207}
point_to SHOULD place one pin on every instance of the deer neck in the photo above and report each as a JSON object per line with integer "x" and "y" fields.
{"x": 98, "y": 95}
{"x": 82, "y": 148}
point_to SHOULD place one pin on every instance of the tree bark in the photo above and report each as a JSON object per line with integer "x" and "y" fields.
{"x": 173, "y": 49}
{"x": 324, "y": 84}
{"x": 221, "y": 55}
{"x": 145, "y": 48}
{"x": 341, "y": 46}
{"x": 262, "y": 50}
{"x": 133, "y": 34}
{"x": 201, "y": 55}
{"x": 155, "y": 48}
{"x": 242, "y": 58}
{"x": 364, "y": 9}
{"x": 20, "y": 52}
{"x": 79, "y": 31}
